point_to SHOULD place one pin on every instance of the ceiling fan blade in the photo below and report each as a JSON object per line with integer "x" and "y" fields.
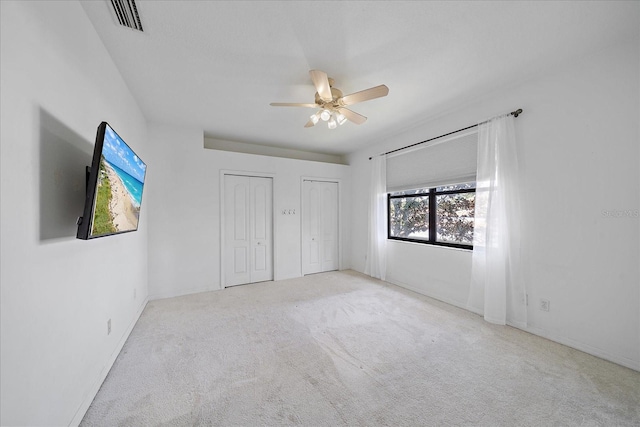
{"x": 352, "y": 116}
{"x": 321, "y": 82}
{"x": 293, "y": 104}
{"x": 365, "y": 95}
{"x": 310, "y": 124}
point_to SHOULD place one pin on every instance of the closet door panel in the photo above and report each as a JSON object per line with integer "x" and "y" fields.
{"x": 319, "y": 227}
{"x": 248, "y": 229}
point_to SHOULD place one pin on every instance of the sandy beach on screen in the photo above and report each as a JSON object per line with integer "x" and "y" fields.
{"x": 124, "y": 214}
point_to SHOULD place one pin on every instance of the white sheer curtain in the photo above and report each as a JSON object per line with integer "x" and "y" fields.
{"x": 376, "y": 265}
{"x": 497, "y": 286}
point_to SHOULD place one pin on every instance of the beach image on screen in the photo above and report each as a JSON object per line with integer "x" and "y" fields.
{"x": 119, "y": 190}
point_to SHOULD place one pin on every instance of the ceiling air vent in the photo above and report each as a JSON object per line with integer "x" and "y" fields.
{"x": 127, "y": 13}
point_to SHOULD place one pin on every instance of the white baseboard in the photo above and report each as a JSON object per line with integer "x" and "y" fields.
{"x": 182, "y": 292}
{"x": 430, "y": 295}
{"x": 586, "y": 348}
{"x": 623, "y": 361}
{"x": 106, "y": 368}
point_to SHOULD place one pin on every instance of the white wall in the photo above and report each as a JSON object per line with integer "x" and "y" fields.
{"x": 57, "y": 293}
{"x": 184, "y": 205}
{"x": 578, "y": 146}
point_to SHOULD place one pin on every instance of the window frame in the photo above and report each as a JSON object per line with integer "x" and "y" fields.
{"x": 432, "y": 195}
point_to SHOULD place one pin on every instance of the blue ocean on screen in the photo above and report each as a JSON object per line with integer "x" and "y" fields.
{"x": 133, "y": 186}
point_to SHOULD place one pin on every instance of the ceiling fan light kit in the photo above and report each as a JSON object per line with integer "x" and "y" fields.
{"x": 332, "y": 123}
{"x": 332, "y": 104}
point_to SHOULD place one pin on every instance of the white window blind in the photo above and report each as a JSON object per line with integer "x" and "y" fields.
{"x": 448, "y": 160}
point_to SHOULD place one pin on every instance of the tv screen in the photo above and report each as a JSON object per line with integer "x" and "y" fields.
{"x": 114, "y": 188}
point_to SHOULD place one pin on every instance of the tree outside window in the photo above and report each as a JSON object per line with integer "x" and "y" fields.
{"x": 449, "y": 210}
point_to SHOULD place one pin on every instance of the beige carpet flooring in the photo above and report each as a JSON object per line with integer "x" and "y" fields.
{"x": 341, "y": 349}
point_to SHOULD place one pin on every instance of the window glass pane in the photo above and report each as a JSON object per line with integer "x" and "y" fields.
{"x": 454, "y": 218}
{"x": 453, "y": 187}
{"x": 410, "y": 192}
{"x": 409, "y": 217}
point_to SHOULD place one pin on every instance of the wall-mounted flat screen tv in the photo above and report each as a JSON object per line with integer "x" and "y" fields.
{"x": 115, "y": 182}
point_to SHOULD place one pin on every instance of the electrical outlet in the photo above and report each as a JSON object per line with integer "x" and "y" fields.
{"x": 545, "y": 304}
{"x": 109, "y": 327}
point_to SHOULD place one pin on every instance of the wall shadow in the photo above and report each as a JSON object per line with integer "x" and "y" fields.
{"x": 64, "y": 156}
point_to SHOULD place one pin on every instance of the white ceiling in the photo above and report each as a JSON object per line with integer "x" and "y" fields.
{"x": 217, "y": 65}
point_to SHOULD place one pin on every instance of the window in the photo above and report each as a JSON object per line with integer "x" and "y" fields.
{"x": 438, "y": 216}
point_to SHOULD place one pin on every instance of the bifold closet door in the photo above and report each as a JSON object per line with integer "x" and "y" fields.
{"x": 248, "y": 229}
{"x": 319, "y": 227}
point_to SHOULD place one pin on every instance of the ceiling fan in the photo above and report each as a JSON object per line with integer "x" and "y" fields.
{"x": 332, "y": 104}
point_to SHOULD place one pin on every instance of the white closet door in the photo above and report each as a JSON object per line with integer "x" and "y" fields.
{"x": 261, "y": 213}
{"x": 329, "y": 215}
{"x": 319, "y": 227}
{"x": 236, "y": 230}
{"x": 248, "y": 229}
{"x": 311, "y": 261}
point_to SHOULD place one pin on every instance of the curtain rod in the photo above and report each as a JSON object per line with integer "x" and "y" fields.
{"x": 513, "y": 113}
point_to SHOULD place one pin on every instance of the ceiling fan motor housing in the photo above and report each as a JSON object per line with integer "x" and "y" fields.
{"x": 336, "y": 94}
